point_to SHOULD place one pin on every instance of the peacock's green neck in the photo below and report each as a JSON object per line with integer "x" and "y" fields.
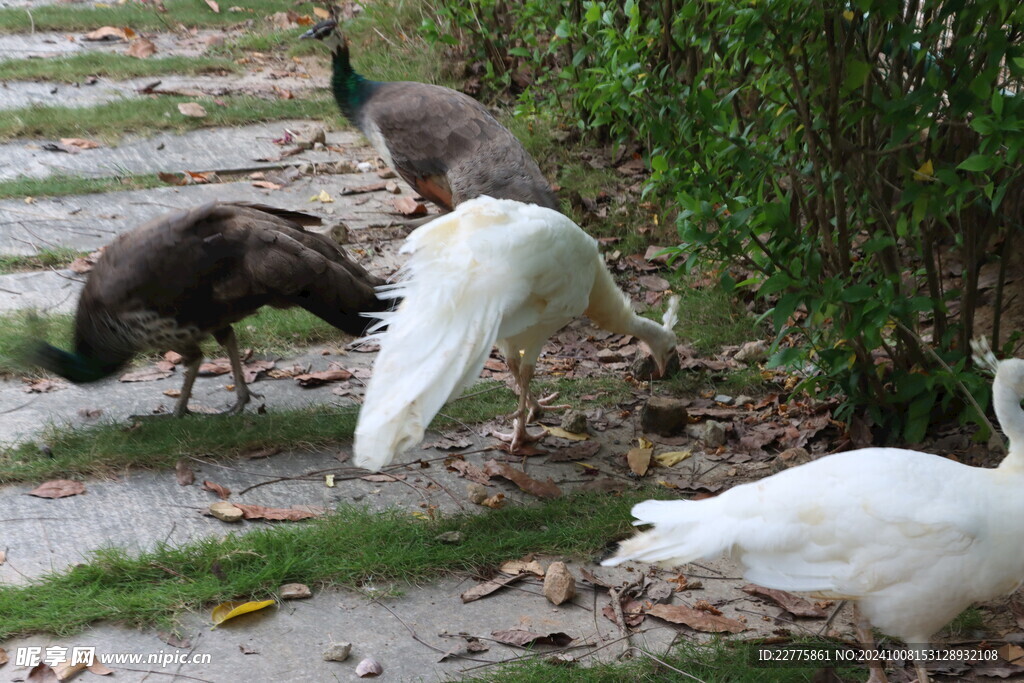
{"x": 350, "y": 89}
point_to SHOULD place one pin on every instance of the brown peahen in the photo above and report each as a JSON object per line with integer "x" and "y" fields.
{"x": 445, "y": 144}
{"x": 174, "y": 281}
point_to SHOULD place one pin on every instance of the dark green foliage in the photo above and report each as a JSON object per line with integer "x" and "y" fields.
{"x": 854, "y": 167}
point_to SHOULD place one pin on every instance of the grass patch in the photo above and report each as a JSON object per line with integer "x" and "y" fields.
{"x": 159, "y": 443}
{"x": 138, "y": 16}
{"x": 710, "y": 319}
{"x": 347, "y": 548}
{"x": 110, "y": 121}
{"x": 46, "y": 258}
{"x": 60, "y": 185}
{"x": 114, "y": 66}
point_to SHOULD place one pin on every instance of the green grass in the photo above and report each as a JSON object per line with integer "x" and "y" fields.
{"x": 60, "y": 185}
{"x": 718, "y": 661}
{"x": 966, "y": 624}
{"x": 347, "y": 548}
{"x": 139, "y": 17}
{"x": 112, "y": 120}
{"x": 46, "y": 258}
{"x": 115, "y": 66}
{"x": 159, "y": 443}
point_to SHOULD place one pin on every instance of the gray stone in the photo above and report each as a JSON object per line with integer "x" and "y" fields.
{"x": 724, "y": 399}
{"x": 664, "y": 416}
{"x": 294, "y": 591}
{"x": 338, "y": 652}
{"x": 712, "y": 433}
{"x": 645, "y": 369}
{"x": 452, "y": 537}
{"x": 559, "y": 583}
{"x": 574, "y": 421}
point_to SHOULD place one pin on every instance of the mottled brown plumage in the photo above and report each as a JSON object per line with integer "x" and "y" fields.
{"x": 445, "y": 144}
{"x": 176, "y": 280}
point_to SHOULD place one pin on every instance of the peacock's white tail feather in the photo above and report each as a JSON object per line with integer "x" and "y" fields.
{"x": 683, "y": 531}
{"x": 490, "y": 268}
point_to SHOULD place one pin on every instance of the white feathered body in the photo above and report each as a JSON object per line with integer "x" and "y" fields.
{"x": 492, "y": 270}
{"x": 913, "y": 537}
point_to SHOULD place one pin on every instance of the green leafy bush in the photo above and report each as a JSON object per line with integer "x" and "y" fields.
{"x": 854, "y": 166}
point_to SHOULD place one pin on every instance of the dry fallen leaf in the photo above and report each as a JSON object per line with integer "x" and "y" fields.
{"x": 639, "y": 460}
{"x": 214, "y": 6}
{"x": 696, "y": 619}
{"x": 469, "y": 471}
{"x": 541, "y": 489}
{"x": 141, "y": 48}
{"x": 230, "y": 610}
{"x": 275, "y": 514}
{"x": 562, "y": 434}
{"x": 58, "y": 488}
{"x": 323, "y": 197}
{"x": 3, "y": 653}
{"x": 193, "y": 109}
{"x": 408, "y": 206}
{"x": 523, "y": 638}
{"x": 99, "y": 669}
{"x": 184, "y": 474}
{"x": 3, "y": 558}
{"x": 487, "y": 587}
{"x": 159, "y": 370}
{"x": 110, "y": 33}
{"x": 494, "y": 502}
{"x": 222, "y": 492}
{"x": 266, "y": 185}
{"x": 794, "y": 604}
{"x": 42, "y": 673}
{"x": 80, "y": 143}
{"x": 321, "y": 13}
{"x": 672, "y": 458}
{"x": 41, "y": 386}
{"x": 632, "y": 611}
{"x": 527, "y": 564}
{"x": 383, "y": 478}
{"x": 315, "y": 379}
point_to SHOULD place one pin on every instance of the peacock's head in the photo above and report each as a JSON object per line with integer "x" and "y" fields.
{"x": 327, "y": 31}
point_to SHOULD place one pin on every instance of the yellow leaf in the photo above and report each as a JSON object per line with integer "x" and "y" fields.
{"x": 672, "y": 458}
{"x": 586, "y": 466}
{"x": 421, "y": 515}
{"x": 926, "y": 173}
{"x": 848, "y": 15}
{"x": 322, "y": 197}
{"x": 562, "y": 434}
{"x": 329, "y": 481}
{"x": 666, "y": 484}
{"x": 230, "y": 610}
{"x": 639, "y": 460}
{"x": 644, "y": 443}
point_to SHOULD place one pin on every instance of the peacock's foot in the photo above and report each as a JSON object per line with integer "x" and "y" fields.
{"x": 539, "y": 405}
{"x": 518, "y": 437}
